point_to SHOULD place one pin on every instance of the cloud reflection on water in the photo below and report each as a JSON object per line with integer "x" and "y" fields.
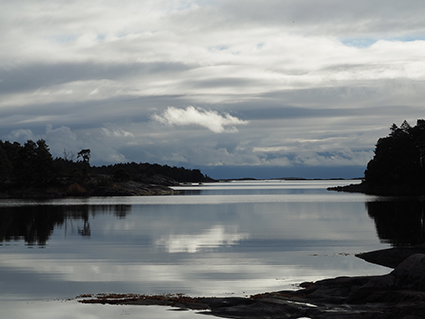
{"x": 214, "y": 237}
{"x": 228, "y": 245}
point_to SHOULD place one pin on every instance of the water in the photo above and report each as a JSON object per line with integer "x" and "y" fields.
{"x": 223, "y": 239}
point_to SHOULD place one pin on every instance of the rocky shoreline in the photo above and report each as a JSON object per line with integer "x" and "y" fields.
{"x": 398, "y": 294}
{"x": 382, "y": 190}
{"x": 155, "y": 185}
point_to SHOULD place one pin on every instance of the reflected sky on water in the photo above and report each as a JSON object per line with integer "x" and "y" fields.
{"x": 221, "y": 239}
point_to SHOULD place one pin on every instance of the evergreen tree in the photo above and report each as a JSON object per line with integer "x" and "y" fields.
{"x": 35, "y": 164}
{"x": 399, "y": 159}
{"x": 6, "y": 167}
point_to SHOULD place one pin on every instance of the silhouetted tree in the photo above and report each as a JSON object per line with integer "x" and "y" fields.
{"x": 399, "y": 159}
{"x": 141, "y": 171}
{"x": 85, "y": 155}
{"x": 32, "y": 166}
{"x": 5, "y": 164}
{"x": 35, "y": 164}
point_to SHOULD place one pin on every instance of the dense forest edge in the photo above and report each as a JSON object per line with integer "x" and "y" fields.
{"x": 397, "y": 168}
{"x": 30, "y": 171}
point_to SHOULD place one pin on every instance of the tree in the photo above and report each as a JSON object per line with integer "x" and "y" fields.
{"x": 5, "y": 164}
{"x": 85, "y": 155}
{"x": 405, "y": 126}
{"x": 393, "y": 129}
{"x": 35, "y": 164}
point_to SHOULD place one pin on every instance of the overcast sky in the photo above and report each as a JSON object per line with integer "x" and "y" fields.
{"x": 234, "y": 87}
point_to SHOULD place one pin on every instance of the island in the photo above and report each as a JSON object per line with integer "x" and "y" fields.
{"x": 30, "y": 171}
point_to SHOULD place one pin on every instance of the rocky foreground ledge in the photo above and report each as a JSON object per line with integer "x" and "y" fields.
{"x": 399, "y": 294}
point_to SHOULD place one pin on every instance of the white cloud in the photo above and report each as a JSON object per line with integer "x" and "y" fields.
{"x": 312, "y": 78}
{"x": 22, "y": 135}
{"x": 116, "y": 133}
{"x": 211, "y": 120}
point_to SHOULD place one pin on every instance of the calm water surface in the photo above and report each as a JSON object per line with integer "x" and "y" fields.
{"x": 222, "y": 239}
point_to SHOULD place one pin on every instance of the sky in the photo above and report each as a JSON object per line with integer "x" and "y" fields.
{"x": 236, "y": 88}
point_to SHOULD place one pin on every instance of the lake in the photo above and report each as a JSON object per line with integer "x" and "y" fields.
{"x": 220, "y": 239}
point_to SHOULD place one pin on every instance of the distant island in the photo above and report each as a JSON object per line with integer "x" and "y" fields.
{"x": 398, "y": 166}
{"x": 30, "y": 171}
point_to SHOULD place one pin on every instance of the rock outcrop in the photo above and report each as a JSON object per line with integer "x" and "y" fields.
{"x": 399, "y": 294}
{"x": 391, "y": 257}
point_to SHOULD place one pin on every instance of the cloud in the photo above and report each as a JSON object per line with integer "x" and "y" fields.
{"x": 211, "y": 120}
{"x": 331, "y": 17}
{"x": 22, "y": 135}
{"x": 318, "y": 81}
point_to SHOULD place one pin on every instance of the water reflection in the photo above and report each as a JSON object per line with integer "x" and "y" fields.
{"x": 214, "y": 237}
{"x": 35, "y": 224}
{"x": 399, "y": 222}
{"x": 218, "y": 242}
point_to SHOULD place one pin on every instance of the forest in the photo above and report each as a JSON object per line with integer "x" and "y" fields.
{"x": 398, "y": 165}
{"x": 29, "y": 170}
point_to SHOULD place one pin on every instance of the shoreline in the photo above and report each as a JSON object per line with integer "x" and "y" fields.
{"x": 130, "y": 188}
{"x": 157, "y": 186}
{"x": 363, "y": 188}
{"x": 398, "y": 294}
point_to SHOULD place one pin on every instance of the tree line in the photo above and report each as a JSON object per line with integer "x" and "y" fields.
{"x": 26, "y": 165}
{"x": 31, "y": 165}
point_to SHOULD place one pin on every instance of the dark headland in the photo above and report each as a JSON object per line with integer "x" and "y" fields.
{"x": 30, "y": 171}
{"x": 398, "y": 165}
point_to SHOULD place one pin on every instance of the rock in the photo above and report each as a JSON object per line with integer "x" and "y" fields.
{"x": 410, "y": 274}
{"x": 132, "y": 188}
{"x": 406, "y": 282}
{"x": 399, "y": 294}
{"x": 391, "y": 257}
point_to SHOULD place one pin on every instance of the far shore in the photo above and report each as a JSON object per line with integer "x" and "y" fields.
{"x": 156, "y": 186}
